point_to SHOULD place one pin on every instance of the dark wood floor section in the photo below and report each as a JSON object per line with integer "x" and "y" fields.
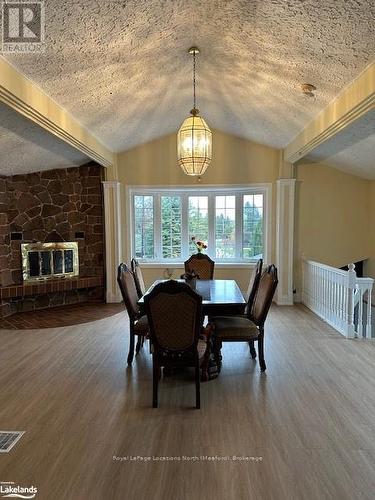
{"x": 74, "y": 314}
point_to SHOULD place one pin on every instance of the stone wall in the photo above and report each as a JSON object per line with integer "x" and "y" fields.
{"x": 52, "y": 206}
{"x": 55, "y": 205}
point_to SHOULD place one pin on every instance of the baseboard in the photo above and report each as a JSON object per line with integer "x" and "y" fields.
{"x": 112, "y": 298}
{"x": 284, "y": 301}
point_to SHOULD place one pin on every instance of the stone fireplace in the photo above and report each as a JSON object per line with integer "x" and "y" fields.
{"x": 51, "y": 225}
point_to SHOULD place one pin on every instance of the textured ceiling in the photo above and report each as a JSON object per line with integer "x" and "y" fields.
{"x": 25, "y": 147}
{"x": 351, "y": 150}
{"x": 122, "y": 69}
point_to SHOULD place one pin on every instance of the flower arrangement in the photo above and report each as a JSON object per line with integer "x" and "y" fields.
{"x": 199, "y": 245}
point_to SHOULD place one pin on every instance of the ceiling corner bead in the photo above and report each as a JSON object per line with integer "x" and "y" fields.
{"x": 352, "y": 103}
{"x": 194, "y": 138}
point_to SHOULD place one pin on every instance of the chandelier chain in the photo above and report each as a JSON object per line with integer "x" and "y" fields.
{"x": 194, "y": 79}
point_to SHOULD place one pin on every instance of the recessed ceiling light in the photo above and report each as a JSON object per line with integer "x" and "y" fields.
{"x": 308, "y": 89}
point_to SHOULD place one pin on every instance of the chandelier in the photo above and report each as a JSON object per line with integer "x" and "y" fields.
{"x": 194, "y": 139}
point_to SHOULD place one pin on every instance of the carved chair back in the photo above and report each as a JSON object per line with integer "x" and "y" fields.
{"x": 202, "y": 265}
{"x": 253, "y": 285}
{"x": 138, "y": 277}
{"x": 125, "y": 280}
{"x": 263, "y": 299}
{"x": 174, "y": 314}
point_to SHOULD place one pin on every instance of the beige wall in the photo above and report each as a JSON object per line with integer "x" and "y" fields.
{"x": 235, "y": 161}
{"x": 332, "y": 217}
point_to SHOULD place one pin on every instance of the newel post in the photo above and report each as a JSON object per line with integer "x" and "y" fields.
{"x": 352, "y": 277}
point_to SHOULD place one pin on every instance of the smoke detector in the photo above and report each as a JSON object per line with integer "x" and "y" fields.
{"x": 308, "y": 89}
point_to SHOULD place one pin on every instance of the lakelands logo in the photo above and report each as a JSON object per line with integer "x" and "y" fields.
{"x": 22, "y": 26}
{"x": 11, "y": 490}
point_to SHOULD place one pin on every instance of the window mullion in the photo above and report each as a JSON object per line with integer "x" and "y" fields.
{"x": 211, "y": 225}
{"x": 157, "y": 228}
{"x": 184, "y": 226}
{"x": 238, "y": 226}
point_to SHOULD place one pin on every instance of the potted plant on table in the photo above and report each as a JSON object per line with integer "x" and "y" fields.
{"x": 199, "y": 245}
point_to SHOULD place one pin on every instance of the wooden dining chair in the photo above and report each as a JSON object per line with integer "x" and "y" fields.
{"x": 252, "y": 289}
{"x": 174, "y": 314}
{"x": 138, "y": 324}
{"x": 250, "y": 328}
{"x": 200, "y": 264}
{"x": 138, "y": 277}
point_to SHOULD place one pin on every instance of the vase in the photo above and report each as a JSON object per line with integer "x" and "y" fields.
{"x": 192, "y": 283}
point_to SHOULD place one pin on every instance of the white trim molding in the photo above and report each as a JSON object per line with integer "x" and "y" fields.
{"x": 25, "y": 97}
{"x": 113, "y": 247}
{"x": 353, "y": 102}
{"x": 285, "y": 189}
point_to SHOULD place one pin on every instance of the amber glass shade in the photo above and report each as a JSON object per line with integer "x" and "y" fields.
{"x": 194, "y": 146}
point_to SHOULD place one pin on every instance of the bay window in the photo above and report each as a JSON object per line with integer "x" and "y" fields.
{"x": 233, "y": 222}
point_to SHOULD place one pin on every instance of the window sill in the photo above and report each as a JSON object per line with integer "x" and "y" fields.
{"x": 178, "y": 265}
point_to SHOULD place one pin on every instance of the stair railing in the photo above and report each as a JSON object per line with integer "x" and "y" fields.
{"x": 334, "y": 294}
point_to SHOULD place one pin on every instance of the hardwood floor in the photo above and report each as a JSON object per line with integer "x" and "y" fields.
{"x": 73, "y": 314}
{"x": 310, "y": 416}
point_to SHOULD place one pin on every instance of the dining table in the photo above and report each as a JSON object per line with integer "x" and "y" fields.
{"x": 219, "y": 297}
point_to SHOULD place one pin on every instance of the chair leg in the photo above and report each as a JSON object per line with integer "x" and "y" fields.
{"x": 252, "y": 349}
{"x": 155, "y": 382}
{"x": 205, "y": 362}
{"x": 139, "y": 344}
{"x": 216, "y": 345}
{"x": 197, "y": 386}
{"x": 262, "y": 363}
{"x": 131, "y": 347}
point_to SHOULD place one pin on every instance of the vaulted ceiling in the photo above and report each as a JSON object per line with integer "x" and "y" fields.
{"x": 122, "y": 68}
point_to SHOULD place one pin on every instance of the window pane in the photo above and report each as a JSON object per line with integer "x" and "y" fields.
{"x": 171, "y": 226}
{"x": 198, "y": 220}
{"x": 144, "y": 227}
{"x": 252, "y": 226}
{"x": 225, "y": 224}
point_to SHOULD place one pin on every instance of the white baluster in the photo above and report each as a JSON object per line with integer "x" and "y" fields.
{"x": 369, "y": 330}
{"x": 350, "y": 301}
{"x": 360, "y": 312}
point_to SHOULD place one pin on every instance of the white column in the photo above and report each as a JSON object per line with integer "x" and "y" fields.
{"x": 113, "y": 246}
{"x": 284, "y": 239}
